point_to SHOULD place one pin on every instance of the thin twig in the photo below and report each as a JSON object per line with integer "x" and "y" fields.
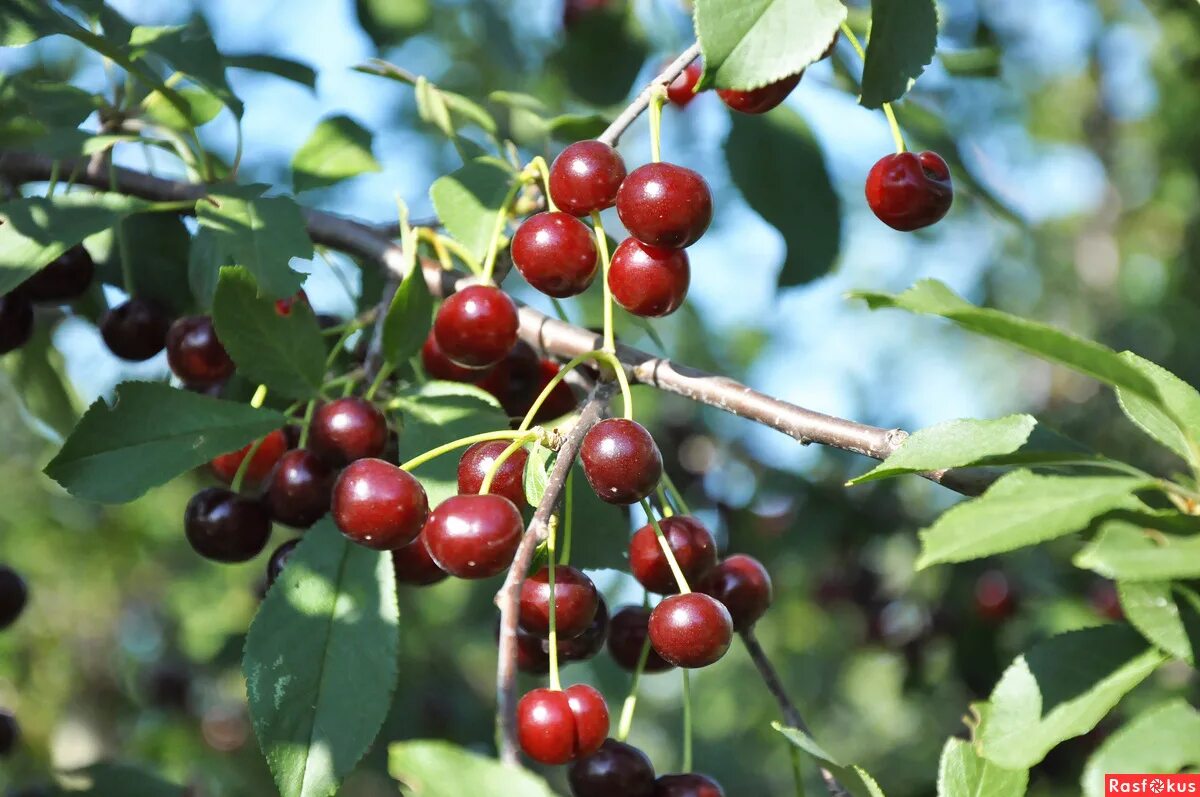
{"x": 642, "y": 101}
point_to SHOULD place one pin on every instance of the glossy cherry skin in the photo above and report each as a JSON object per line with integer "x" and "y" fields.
{"x": 10, "y": 733}
{"x": 16, "y": 322}
{"x": 476, "y": 326}
{"x": 269, "y": 451}
{"x": 557, "y": 727}
{"x": 474, "y": 536}
{"x": 510, "y": 477}
{"x": 300, "y": 490}
{"x": 586, "y": 177}
{"x": 575, "y": 601}
{"x": 762, "y": 99}
{"x": 135, "y": 330}
{"x": 682, "y": 89}
{"x": 665, "y": 205}
{"x": 347, "y": 429}
{"x": 65, "y": 278}
{"x": 279, "y": 559}
{"x": 378, "y": 505}
{"x": 621, "y": 461}
{"x": 627, "y": 632}
{"x": 908, "y": 191}
{"x": 692, "y": 630}
{"x": 226, "y": 527}
{"x": 742, "y": 584}
{"x": 615, "y": 769}
{"x": 693, "y": 546}
{"x": 413, "y": 565}
{"x": 649, "y": 280}
{"x": 13, "y": 596}
{"x": 556, "y": 254}
{"x": 514, "y": 380}
{"x": 590, "y": 642}
{"x": 439, "y": 366}
{"x": 195, "y": 354}
{"x": 689, "y": 785}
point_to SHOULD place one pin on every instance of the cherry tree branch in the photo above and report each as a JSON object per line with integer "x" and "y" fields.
{"x": 642, "y": 101}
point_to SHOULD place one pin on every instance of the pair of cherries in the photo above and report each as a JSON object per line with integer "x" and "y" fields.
{"x": 617, "y": 768}
{"x": 64, "y": 279}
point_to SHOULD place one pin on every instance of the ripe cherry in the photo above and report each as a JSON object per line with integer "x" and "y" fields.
{"x": 575, "y": 601}
{"x": 378, "y": 505}
{"x": 10, "y": 733}
{"x": 510, "y": 477}
{"x": 439, "y": 366}
{"x": 627, "y": 632}
{"x": 13, "y": 596}
{"x": 414, "y": 565}
{"x": 649, "y": 280}
{"x": 300, "y": 489}
{"x": 908, "y": 190}
{"x": 555, "y": 727}
{"x": 621, "y": 461}
{"x": 693, "y": 546}
{"x": 474, "y": 536}
{"x": 135, "y": 330}
{"x": 16, "y": 321}
{"x": 1105, "y": 601}
{"x": 691, "y": 630}
{"x": 743, "y": 585}
{"x": 591, "y": 641}
{"x": 585, "y": 177}
{"x": 284, "y": 306}
{"x": 347, "y": 429}
{"x": 556, "y": 254}
{"x": 688, "y": 785}
{"x": 995, "y": 600}
{"x": 514, "y": 380}
{"x": 269, "y": 451}
{"x": 279, "y": 560}
{"x": 682, "y": 89}
{"x": 665, "y": 205}
{"x": 226, "y": 527}
{"x": 67, "y": 277}
{"x": 615, "y": 769}
{"x": 476, "y": 326}
{"x": 762, "y": 99}
{"x": 195, "y": 354}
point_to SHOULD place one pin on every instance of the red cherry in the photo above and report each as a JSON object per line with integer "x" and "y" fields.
{"x": 665, "y": 205}
{"x": 279, "y": 560}
{"x": 414, "y": 565}
{"x": 1105, "y": 601}
{"x": 301, "y": 489}
{"x": 682, "y": 89}
{"x": 575, "y": 601}
{"x": 225, "y": 467}
{"x": 474, "y": 536}
{"x": 555, "y": 727}
{"x": 556, "y": 254}
{"x": 476, "y": 326}
{"x": 439, "y": 366}
{"x": 135, "y": 330}
{"x": 195, "y": 354}
{"x": 65, "y": 278}
{"x": 649, "y": 280}
{"x": 908, "y": 191}
{"x": 226, "y": 527}
{"x": 762, "y": 99}
{"x": 378, "y": 505}
{"x": 615, "y": 769}
{"x": 692, "y": 544}
{"x": 621, "y": 461}
{"x": 591, "y": 717}
{"x": 995, "y": 600}
{"x": 591, "y": 641}
{"x": 689, "y": 785}
{"x": 585, "y": 177}
{"x": 284, "y": 306}
{"x": 514, "y": 380}
{"x": 627, "y": 632}
{"x": 14, "y": 594}
{"x": 743, "y": 585}
{"x": 510, "y": 478}
{"x": 347, "y": 429}
{"x": 16, "y": 322}
{"x": 692, "y": 630}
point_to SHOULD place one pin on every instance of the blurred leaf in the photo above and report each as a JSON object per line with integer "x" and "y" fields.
{"x": 38, "y": 373}
{"x": 468, "y": 111}
{"x": 151, "y": 434}
{"x": 189, "y": 49}
{"x": 577, "y": 126}
{"x": 109, "y": 779}
{"x": 285, "y": 68}
{"x": 601, "y": 54}
{"x": 391, "y": 22}
{"x": 409, "y": 318}
{"x": 158, "y": 257}
{"x": 854, "y": 778}
{"x": 1179, "y": 426}
{"x": 468, "y": 201}
{"x": 29, "y": 20}
{"x": 515, "y": 99}
{"x": 537, "y": 472}
{"x": 261, "y": 234}
{"x": 51, "y": 103}
{"x": 962, "y": 773}
{"x": 338, "y": 149}
{"x": 322, "y": 661}
{"x": 973, "y": 62}
{"x": 203, "y": 106}
{"x": 1163, "y": 739}
{"x": 1127, "y": 552}
{"x": 429, "y": 768}
{"x": 204, "y": 266}
{"x": 902, "y": 43}
{"x": 1171, "y": 624}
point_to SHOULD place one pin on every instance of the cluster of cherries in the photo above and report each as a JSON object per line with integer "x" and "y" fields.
{"x": 13, "y": 597}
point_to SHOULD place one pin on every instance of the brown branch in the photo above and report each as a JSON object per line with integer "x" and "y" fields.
{"x": 642, "y": 101}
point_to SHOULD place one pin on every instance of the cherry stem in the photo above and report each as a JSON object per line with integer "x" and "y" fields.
{"x": 605, "y": 357}
{"x": 687, "y": 721}
{"x": 260, "y": 395}
{"x": 667, "y": 511}
{"x": 610, "y": 344}
{"x": 897, "y": 136}
{"x": 551, "y": 533}
{"x": 676, "y": 496}
{"x": 122, "y": 240}
{"x": 434, "y": 453}
{"x": 539, "y": 164}
{"x": 797, "y": 771}
{"x": 568, "y": 526}
{"x": 439, "y": 246}
{"x": 244, "y": 465}
{"x": 385, "y": 371}
{"x": 513, "y": 447}
{"x": 304, "y": 427}
{"x": 489, "y": 265}
{"x": 626, "y": 723}
{"x": 672, "y": 562}
{"x": 657, "y": 99}
{"x": 54, "y": 169}
{"x": 351, "y": 328}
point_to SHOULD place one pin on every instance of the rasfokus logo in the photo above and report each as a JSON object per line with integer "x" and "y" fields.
{"x": 1151, "y": 784}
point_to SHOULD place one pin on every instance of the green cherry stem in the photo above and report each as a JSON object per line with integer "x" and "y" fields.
{"x": 797, "y": 769}
{"x": 657, "y": 100}
{"x": 625, "y": 725}
{"x": 489, "y": 265}
{"x": 687, "y": 721}
{"x": 607, "y": 358}
{"x": 385, "y": 371}
{"x": 122, "y": 239}
{"x": 552, "y": 532}
{"x": 543, "y": 171}
{"x": 434, "y": 453}
{"x": 244, "y": 465}
{"x": 663, "y": 501}
{"x": 672, "y": 562}
{"x": 568, "y": 526}
{"x": 676, "y": 496}
{"x": 54, "y": 170}
{"x": 308, "y": 414}
{"x": 513, "y": 448}
{"x": 610, "y": 344}
{"x": 897, "y": 136}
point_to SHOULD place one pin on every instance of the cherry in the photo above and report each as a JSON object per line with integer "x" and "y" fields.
{"x": 414, "y": 565}
{"x": 693, "y": 546}
{"x": 510, "y": 477}
{"x": 284, "y": 306}
{"x": 135, "y": 330}
{"x": 269, "y": 451}
{"x": 300, "y": 489}
{"x": 627, "y": 632}
{"x": 474, "y": 536}
{"x": 10, "y": 733}
{"x": 762, "y": 99}
{"x": 615, "y": 769}
{"x": 555, "y": 727}
{"x": 477, "y": 326}
{"x": 575, "y": 601}
{"x": 682, "y": 89}
{"x": 689, "y": 785}
{"x": 439, "y": 366}
{"x": 691, "y": 630}
{"x": 226, "y": 527}
{"x": 13, "y": 596}
{"x": 378, "y": 505}
{"x": 743, "y": 585}
{"x": 67, "y": 277}
{"x": 514, "y": 380}
{"x": 995, "y": 601}
{"x": 556, "y": 254}
{"x": 585, "y": 177}
{"x": 649, "y": 280}
{"x": 16, "y": 321}
{"x": 591, "y": 641}
{"x": 621, "y": 461}
{"x": 194, "y": 353}
{"x": 279, "y": 560}
{"x": 908, "y": 191}
{"x": 1105, "y": 601}
{"x": 347, "y": 429}
{"x": 533, "y": 652}
{"x": 665, "y": 205}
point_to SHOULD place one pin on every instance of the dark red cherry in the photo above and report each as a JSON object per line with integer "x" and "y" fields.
{"x": 575, "y": 601}
{"x": 691, "y": 630}
{"x": 510, "y": 477}
{"x": 10, "y": 733}
{"x": 300, "y": 489}
{"x": 649, "y": 280}
{"x": 591, "y": 641}
{"x": 693, "y": 546}
{"x": 533, "y": 656}
{"x": 226, "y": 527}
{"x": 16, "y": 322}
{"x": 269, "y": 451}
{"x": 627, "y": 632}
{"x": 1105, "y": 601}
{"x": 621, "y": 461}
{"x": 67, "y": 277}
{"x": 13, "y": 596}
{"x": 135, "y": 330}
{"x": 556, "y": 727}
{"x": 439, "y": 366}
{"x": 515, "y": 380}
{"x": 347, "y": 429}
{"x": 195, "y": 354}
{"x": 378, "y": 505}
{"x": 414, "y": 565}
{"x": 995, "y": 600}
{"x": 476, "y": 326}
{"x": 682, "y": 89}
{"x": 908, "y": 191}
{"x": 743, "y": 585}
{"x": 474, "y": 536}
{"x": 762, "y": 99}
{"x": 279, "y": 560}
{"x": 615, "y": 769}
{"x": 665, "y": 205}
{"x": 556, "y": 254}
{"x": 688, "y": 785}
{"x": 586, "y": 177}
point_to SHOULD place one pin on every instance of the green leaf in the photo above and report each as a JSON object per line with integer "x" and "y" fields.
{"x": 285, "y": 68}
{"x": 409, "y": 318}
{"x": 953, "y": 444}
{"x": 38, "y": 373}
{"x": 601, "y": 54}
{"x": 854, "y": 778}
{"x": 321, "y": 661}
{"x": 285, "y": 352}
{"x": 577, "y": 126}
{"x": 972, "y": 62}
{"x": 429, "y": 768}
{"x": 29, "y": 20}
{"x": 750, "y": 43}
{"x": 1022, "y": 509}
{"x": 1060, "y": 689}
{"x": 1175, "y": 428}
{"x": 109, "y": 779}
{"x": 962, "y": 773}
{"x": 1172, "y": 624}
{"x": 601, "y": 528}
{"x": 53, "y": 104}
{"x": 467, "y": 202}
{"x": 391, "y": 22}
{"x": 202, "y": 107}
{"x": 204, "y": 266}
{"x": 151, "y": 434}
{"x": 259, "y": 233}
{"x": 338, "y": 149}
{"x": 1128, "y": 552}
{"x": 158, "y": 258}
{"x": 189, "y": 49}
{"x": 769, "y": 158}
{"x": 903, "y": 40}
{"x": 537, "y": 472}
{"x": 1163, "y": 739}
